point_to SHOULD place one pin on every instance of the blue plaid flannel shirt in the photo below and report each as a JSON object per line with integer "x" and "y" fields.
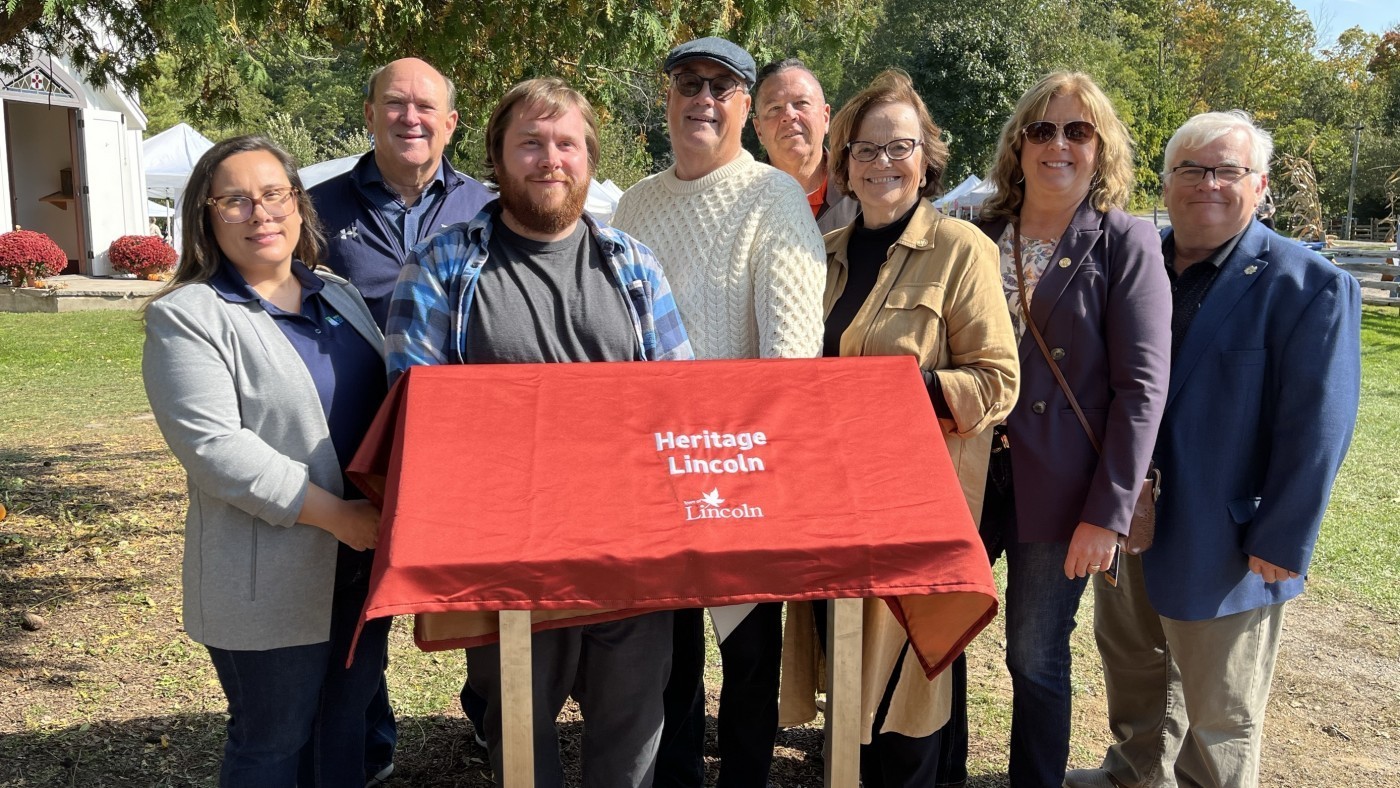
{"x": 428, "y": 314}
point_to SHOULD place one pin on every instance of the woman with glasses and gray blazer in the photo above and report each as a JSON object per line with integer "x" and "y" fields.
{"x": 263, "y": 376}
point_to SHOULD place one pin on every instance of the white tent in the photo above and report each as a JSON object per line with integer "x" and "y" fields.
{"x": 978, "y": 194}
{"x": 957, "y": 191}
{"x": 313, "y": 174}
{"x": 157, "y": 211}
{"x": 602, "y": 200}
{"x": 170, "y": 157}
{"x": 969, "y": 204}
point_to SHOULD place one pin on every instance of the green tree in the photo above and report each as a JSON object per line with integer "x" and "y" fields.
{"x": 969, "y": 59}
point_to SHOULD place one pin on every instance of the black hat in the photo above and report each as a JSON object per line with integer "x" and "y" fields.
{"x": 724, "y": 52}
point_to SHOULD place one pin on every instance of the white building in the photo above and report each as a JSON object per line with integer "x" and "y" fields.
{"x": 72, "y": 161}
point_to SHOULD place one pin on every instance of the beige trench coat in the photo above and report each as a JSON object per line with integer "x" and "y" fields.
{"x": 938, "y": 297}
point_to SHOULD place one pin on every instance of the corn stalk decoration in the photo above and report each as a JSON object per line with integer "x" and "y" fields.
{"x": 1298, "y": 184}
{"x": 1392, "y": 197}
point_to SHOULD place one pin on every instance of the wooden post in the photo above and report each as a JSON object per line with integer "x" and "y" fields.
{"x": 843, "y": 669}
{"x": 517, "y": 703}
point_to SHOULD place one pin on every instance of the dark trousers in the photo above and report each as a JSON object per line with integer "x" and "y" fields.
{"x": 615, "y": 670}
{"x": 893, "y": 760}
{"x": 297, "y": 714}
{"x": 748, "y": 702}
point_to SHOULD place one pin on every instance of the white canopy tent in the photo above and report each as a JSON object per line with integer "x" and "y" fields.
{"x": 969, "y": 204}
{"x": 313, "y": 174}
{"x": 954, "y": 193}
{"x": 170, "y": 157}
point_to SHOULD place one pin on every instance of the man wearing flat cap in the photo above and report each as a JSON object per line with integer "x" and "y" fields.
{"x": 747, "y": 267}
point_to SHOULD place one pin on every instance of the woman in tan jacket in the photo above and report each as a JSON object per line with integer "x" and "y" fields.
{"x": 903, "y": 279}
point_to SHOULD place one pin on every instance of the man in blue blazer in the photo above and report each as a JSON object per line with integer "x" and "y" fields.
{"x": 1266, "y": 375}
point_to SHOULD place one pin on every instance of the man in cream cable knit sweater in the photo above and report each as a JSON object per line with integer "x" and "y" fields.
{"x": 747, "y": 268}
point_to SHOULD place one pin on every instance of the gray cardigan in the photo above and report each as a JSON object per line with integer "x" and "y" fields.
{"x": 240, "y": 411}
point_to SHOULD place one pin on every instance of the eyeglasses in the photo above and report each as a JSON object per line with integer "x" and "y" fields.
{"x": 721, "y": 87}
{"x": 1080, "y": 132}
{"x": 1192, "y": 174}
{"x": 236, "y": 209}
{"x": 896, "y": 150}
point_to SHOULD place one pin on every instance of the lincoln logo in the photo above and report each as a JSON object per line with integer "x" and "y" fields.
{"x": 711, "y": 507}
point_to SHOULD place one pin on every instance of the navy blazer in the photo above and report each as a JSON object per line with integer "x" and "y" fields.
{"x": 1260, "y": 411}
{"x": 1104, "y": 306}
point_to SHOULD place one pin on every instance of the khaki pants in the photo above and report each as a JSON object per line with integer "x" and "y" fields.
{"x": 1186, "y": 699}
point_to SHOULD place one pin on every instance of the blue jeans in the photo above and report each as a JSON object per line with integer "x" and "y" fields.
{"x": 1040, "y": 607}
{"x": 381, "y": 729}
{"x": 297, "y": 714}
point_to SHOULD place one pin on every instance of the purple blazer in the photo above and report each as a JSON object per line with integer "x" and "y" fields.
{"x": 1104, "y": 307}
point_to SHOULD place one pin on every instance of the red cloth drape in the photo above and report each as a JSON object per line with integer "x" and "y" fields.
{"x": 593, "y": 491}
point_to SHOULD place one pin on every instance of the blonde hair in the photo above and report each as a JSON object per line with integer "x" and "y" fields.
{"x": 1113, "y": 181}
{"x": 889, "y": 87}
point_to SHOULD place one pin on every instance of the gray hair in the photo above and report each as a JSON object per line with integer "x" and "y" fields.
{"x": 370, "y": 85}
{"x": 779, "y": 66}
{"x": 1207, "y": 127}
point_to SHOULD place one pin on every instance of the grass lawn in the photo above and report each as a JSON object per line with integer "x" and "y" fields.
{"x": 1358, "y": 552}
{"x": 59, "y": 372}
{"x": 111, "y": 692}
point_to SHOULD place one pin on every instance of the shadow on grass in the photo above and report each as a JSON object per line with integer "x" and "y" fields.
{"x": 38, "y": 480}
{"x": 68, "y": 505}
{"x": 434, "y": 751}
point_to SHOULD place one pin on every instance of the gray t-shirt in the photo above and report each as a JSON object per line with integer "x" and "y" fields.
{"x": 547, "y": 302}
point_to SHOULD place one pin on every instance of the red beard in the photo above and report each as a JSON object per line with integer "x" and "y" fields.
{"x": 548, "y": 216}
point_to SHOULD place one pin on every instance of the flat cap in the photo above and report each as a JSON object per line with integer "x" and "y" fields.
{"x": 722, "y": 51}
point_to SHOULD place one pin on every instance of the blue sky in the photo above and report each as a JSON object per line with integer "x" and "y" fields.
{"x": 1333, "y": 16}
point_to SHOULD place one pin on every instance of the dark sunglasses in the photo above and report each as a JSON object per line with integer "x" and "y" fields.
{"x": 1080, "y": 132}
{"x": 721, "y": 87}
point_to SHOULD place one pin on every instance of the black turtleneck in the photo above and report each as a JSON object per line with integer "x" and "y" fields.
{"x": 867, "y": 251}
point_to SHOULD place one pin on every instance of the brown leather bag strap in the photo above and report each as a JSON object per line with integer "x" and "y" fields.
{"x": 1040, "y": 341}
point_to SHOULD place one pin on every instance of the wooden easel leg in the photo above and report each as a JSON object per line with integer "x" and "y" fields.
{"x": 843, "y": 652}
{"x": 517, "y": 704}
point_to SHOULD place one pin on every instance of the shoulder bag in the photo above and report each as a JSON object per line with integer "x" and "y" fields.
{"x": 1143, "y": 526}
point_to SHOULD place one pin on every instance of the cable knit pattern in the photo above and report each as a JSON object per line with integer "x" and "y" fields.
{"x": 745, "y": 260}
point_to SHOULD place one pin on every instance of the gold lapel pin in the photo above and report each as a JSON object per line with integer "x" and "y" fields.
{"x": 1250, "y": 269}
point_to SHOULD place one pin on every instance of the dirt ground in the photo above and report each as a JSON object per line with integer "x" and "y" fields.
{"x": 104, "y": 689}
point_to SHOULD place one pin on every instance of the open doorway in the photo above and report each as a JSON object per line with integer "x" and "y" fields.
{"x": 40, "y": 143}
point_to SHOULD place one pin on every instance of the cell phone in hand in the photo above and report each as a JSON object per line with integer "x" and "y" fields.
{"x": 1110, "y": 573}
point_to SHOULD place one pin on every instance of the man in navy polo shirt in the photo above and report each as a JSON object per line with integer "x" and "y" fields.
{"x": 398, "y": 194}
{"x": 403, "y": 190}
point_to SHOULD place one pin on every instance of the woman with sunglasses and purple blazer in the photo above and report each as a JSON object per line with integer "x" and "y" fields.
{"x": 1098, "y": 292}
{"x": 263, "y": 376}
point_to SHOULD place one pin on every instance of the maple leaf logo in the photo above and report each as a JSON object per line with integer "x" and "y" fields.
{"x": 711, "y": 498}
